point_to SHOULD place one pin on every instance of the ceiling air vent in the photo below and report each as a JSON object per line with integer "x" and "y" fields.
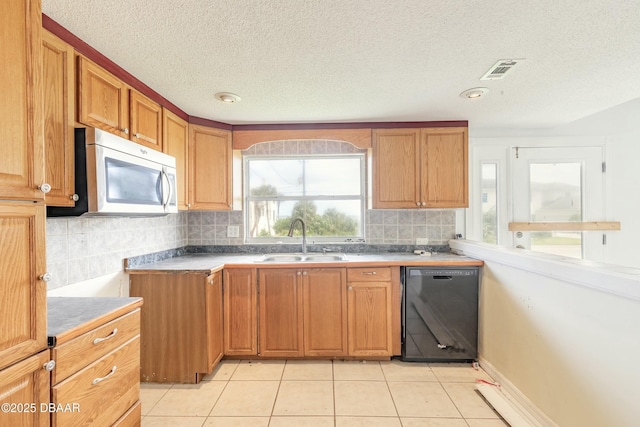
{"x": 500, "y": 69}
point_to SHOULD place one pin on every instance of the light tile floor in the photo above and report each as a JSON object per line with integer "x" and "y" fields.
{"x": 321, "y": 393}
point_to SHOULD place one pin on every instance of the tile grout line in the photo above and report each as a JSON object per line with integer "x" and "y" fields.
{"x": 273, "y": 407}
{"x": 386, "y": 381}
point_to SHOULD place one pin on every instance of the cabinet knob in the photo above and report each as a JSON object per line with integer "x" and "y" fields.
{"x": 417, "y": 203}
{"x": 46, "y": 277}
{"x": 137, "y": 135}
{"x": 126, "y": 131}
{"x": 74, "y": 197}
{"x": 424, "y": 203}
{"x": 298, "y": 273}
{"x": 49, "y": 365}
{"x": 304, "y": 273}
{"x": 45, "y": 188}
{"x": 350, "y": 288}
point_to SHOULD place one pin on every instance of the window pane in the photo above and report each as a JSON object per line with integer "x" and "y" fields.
{"x": 275, "y": 177}
{"x": 556, "y": 195}
{"x": 489, "y": 188}
{"x": 325, "y": 191}
{"x": 337, "y": 177}
{"x": 322, "y": 217}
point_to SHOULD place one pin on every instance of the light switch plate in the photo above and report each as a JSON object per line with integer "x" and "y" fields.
{"x": 422, "y": 241}
{"x": 233, "y": 231}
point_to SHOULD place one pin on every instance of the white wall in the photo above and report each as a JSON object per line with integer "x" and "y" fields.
{"x": 563, "y": 334}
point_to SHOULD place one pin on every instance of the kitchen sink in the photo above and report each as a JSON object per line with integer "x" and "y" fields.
{"x": 312, "y": 257}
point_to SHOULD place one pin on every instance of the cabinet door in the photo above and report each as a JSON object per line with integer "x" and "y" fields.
{"x": 23, "y": 295}
{"x": 396, "y": 168}
{"x": 25, "y": 385}
{"x": 240, "y": 312}
{"x": 325, "y": 312}
{"x": 103, "y": 100}
{"x": 173, "y": 328}
{"x": 175, "y": 143}
{"x": 22, "y": 159}
{"x": 370, "y": 320}
{"x": 445, "y": 167}
{"x": 215, "y": 331}
{"x": 210, "y": 157}
{"x": 280, "y": 329}
{"x": 146, "y": 120}
{"x": 59, "y": 84}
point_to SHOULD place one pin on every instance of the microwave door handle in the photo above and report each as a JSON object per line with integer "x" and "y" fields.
{"x": 168, "y": 186}
{"x": 171, "y": 190}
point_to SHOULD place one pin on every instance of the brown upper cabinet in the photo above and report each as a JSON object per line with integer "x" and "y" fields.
{"x": 58, "y": 108}
{"x": 103, "y": 100}
{"x": 22, "y": 159}
{"x": 107, "y": 103}
{"x": 210, "y": 173}
{"x": 146, "y": 120}
{"x": 420, "y": 168}
{"x": 175, "y": 139}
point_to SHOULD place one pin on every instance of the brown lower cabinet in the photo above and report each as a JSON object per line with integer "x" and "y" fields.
{"x": 370, "y": 312}
{"x": 331, "y": 312}
{"x": 312, "y": 312}
{"x": 240, "y": 312}
{"x": 24, "y": 388}
{"x": 181, "y": 325}
{"x": 303, "y": 312}
{"x": 96, "y": 378}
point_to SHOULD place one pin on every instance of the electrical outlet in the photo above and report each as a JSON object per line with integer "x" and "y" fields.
{"x": 233, "y": 231}
{"x": 422, "y": 241}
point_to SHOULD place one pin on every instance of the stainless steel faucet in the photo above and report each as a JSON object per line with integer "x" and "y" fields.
{"x": 304, "y": 233}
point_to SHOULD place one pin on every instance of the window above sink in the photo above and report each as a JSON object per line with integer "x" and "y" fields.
{"x": 327, "y": 191}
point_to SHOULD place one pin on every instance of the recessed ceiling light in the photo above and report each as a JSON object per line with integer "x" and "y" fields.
{"x": 474, "y": 93}
{"x": 227, "y": 97}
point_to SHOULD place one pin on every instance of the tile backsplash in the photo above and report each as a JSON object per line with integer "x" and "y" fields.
{"x": 84, "y": 248}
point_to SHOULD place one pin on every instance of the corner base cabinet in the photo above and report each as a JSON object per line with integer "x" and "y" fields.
{"x": 181, "y": 325}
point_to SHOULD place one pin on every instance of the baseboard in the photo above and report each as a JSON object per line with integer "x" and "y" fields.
{"x": 530, "y": 412}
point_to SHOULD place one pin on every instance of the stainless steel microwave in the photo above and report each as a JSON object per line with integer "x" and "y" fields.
{"x": 118, "y": 177}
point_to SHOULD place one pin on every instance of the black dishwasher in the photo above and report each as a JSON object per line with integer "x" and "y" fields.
{"x": 440, "y": 314}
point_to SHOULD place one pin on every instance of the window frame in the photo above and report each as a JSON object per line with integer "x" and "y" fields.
{"x": 362, "y": 197}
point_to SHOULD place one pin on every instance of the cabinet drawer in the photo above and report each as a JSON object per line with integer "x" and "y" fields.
{"x": 131, "y": 418}
{"x": 373, "y": 274}
{"x": 74, "y": 355}
{"x": 103, "y": 391}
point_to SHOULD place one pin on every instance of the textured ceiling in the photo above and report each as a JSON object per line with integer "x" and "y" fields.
{"x": 297, "y": 61}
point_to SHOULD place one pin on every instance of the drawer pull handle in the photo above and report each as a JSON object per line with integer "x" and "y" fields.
{"x": 108, "y": 337}
{"x": 97, "y": 380}
{"x": 369, "y": 273}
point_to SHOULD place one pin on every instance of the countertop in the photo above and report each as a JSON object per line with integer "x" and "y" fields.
{"x": 207, "y": 263}
{"x": 69, "y": 317}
